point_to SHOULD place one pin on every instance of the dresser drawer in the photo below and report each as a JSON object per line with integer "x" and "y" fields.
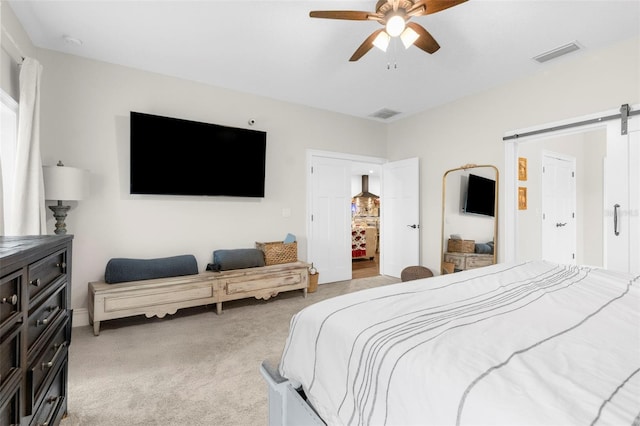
{"x": 53, "y": 405}
{"x": 9, "y": 355}
{"x": 45, "y": 272}
{"x": 457, "y": 260}
{"x": 465, "y": 261}
{"x": 479, "y": 261}
{"x": 262, "y": 282}
{"x": 154, "y": 297}
{"x": 47, "y": 361}
{"x": 46, "y": 316}
{"x": 10, "y": 300}
{"x": 10, "y": 407}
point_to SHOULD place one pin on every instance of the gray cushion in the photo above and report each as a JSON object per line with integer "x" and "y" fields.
{"x": 224, "y": 260}
{"x": 486, "y": 248}
{"x": 121, "y": 270}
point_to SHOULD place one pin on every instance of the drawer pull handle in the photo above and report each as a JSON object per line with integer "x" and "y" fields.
{"x": 62, "y": 265}
{"x": 13, "y": 299}
{"x": 50, "y": 400}
{"x": 45, "y": 321}
{"x": 36, "y": 282}
{"x": 58, "y": 348}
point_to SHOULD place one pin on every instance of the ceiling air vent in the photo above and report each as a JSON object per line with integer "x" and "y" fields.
{"x": 384, "y": 113}
{"x": 558, "y": 51}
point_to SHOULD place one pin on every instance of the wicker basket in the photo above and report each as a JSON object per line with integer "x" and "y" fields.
{"x": 313, "y": 282}
{"x": 461, "y": 246}
{"x": 277, "y": 252}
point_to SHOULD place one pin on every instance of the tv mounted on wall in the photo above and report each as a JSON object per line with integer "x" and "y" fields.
{"x": 172, "y": 156}
{"x": 481, "y": 196}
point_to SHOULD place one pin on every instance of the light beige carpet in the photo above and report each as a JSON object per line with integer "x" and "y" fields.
{"x": 192, "y": 368}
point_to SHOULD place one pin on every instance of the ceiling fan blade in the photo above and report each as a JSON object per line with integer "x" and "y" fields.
{"x": 365, "y": 46}
{"x": 428, "y": 7}
{"x": 425, "y": 41}
{"x": 351, "y": 15}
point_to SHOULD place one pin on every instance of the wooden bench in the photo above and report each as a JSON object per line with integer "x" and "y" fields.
{"x": 162, "y": 296}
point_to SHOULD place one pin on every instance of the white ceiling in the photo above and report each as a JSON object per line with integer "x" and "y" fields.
{"x": 273, "y": 48}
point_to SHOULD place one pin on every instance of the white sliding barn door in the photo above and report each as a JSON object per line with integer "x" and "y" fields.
{"x": 400, "y": 216}
{"x": 622, "y": 197}
{"x": 330, "y": 226}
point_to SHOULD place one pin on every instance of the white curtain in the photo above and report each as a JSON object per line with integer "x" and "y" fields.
{"x": 28, "y": 208}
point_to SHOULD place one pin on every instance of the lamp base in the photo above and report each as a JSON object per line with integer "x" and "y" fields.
{"x": 60, "y": 214}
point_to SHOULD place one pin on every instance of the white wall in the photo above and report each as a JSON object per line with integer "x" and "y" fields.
{"x": 85, "y": 109}
{"x": 470, "y": 130}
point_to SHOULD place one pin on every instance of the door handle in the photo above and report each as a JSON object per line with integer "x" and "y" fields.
{"x": 615, "y": 219}
{"x": 559, "y": 225}
{"x": 414, "y": 226}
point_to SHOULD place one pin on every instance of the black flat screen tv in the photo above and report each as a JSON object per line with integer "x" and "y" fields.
{"x": 481, "y": 196}
{"x": 172, "y": 156}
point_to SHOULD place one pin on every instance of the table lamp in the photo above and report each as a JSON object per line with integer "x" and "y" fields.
{"x": 63, "y": 183}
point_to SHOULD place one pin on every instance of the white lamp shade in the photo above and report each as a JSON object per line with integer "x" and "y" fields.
{"x": 382, "y": 41}
{"x": 65, "y": 183}
{"x": 408, "y": 37}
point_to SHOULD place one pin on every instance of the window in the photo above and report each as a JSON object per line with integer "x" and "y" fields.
{"x": 8, "y": 144}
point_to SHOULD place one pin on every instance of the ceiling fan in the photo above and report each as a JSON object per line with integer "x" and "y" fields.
{"x": 395, "y": 15}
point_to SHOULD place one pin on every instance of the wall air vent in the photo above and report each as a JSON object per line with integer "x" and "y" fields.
{"x": 384, "y": 113}
{"x": 558, "y": 51}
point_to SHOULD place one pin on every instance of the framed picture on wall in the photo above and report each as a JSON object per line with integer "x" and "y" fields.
{"x": 522, "y": 168}
{"x": 522, "y": 198}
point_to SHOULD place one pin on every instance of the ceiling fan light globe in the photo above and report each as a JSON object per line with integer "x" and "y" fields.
{"x": 382, "y": 41}
{"x": 395, "y": 25}
{"x": 408, "y": 37}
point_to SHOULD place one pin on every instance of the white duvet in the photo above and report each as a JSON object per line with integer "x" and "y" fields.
{"x": 510, "y": 344}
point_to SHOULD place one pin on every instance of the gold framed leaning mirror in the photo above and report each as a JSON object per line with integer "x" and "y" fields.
{"x": 469, "y": 236}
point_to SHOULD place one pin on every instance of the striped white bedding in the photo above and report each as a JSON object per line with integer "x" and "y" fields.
{"x": 510, "y": 344}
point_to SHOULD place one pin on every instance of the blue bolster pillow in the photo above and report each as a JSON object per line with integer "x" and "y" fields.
{"x": 121, "y": 270}
{"x": 224, "y": 260}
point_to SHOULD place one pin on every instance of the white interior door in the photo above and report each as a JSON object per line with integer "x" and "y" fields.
{"x": 558, "y": 208}
{"x": 621, "y": 198}
{"x": 400, "y": 216}
{"x": 330, "y": 222}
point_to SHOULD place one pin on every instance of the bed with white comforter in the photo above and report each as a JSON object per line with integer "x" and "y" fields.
{"x": 511, "y": 344}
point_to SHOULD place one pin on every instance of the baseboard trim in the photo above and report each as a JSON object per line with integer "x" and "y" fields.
{"x": 80, "y": 317}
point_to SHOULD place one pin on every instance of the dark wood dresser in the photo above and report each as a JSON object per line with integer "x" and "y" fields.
{"x": 35, "y": 328}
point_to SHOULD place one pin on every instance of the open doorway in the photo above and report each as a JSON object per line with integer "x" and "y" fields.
{"x": 329, "y": 196}
{"x": 329, "y": 219}
{"x": 563, "y": 219}
{"x": 365, "y": 219}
